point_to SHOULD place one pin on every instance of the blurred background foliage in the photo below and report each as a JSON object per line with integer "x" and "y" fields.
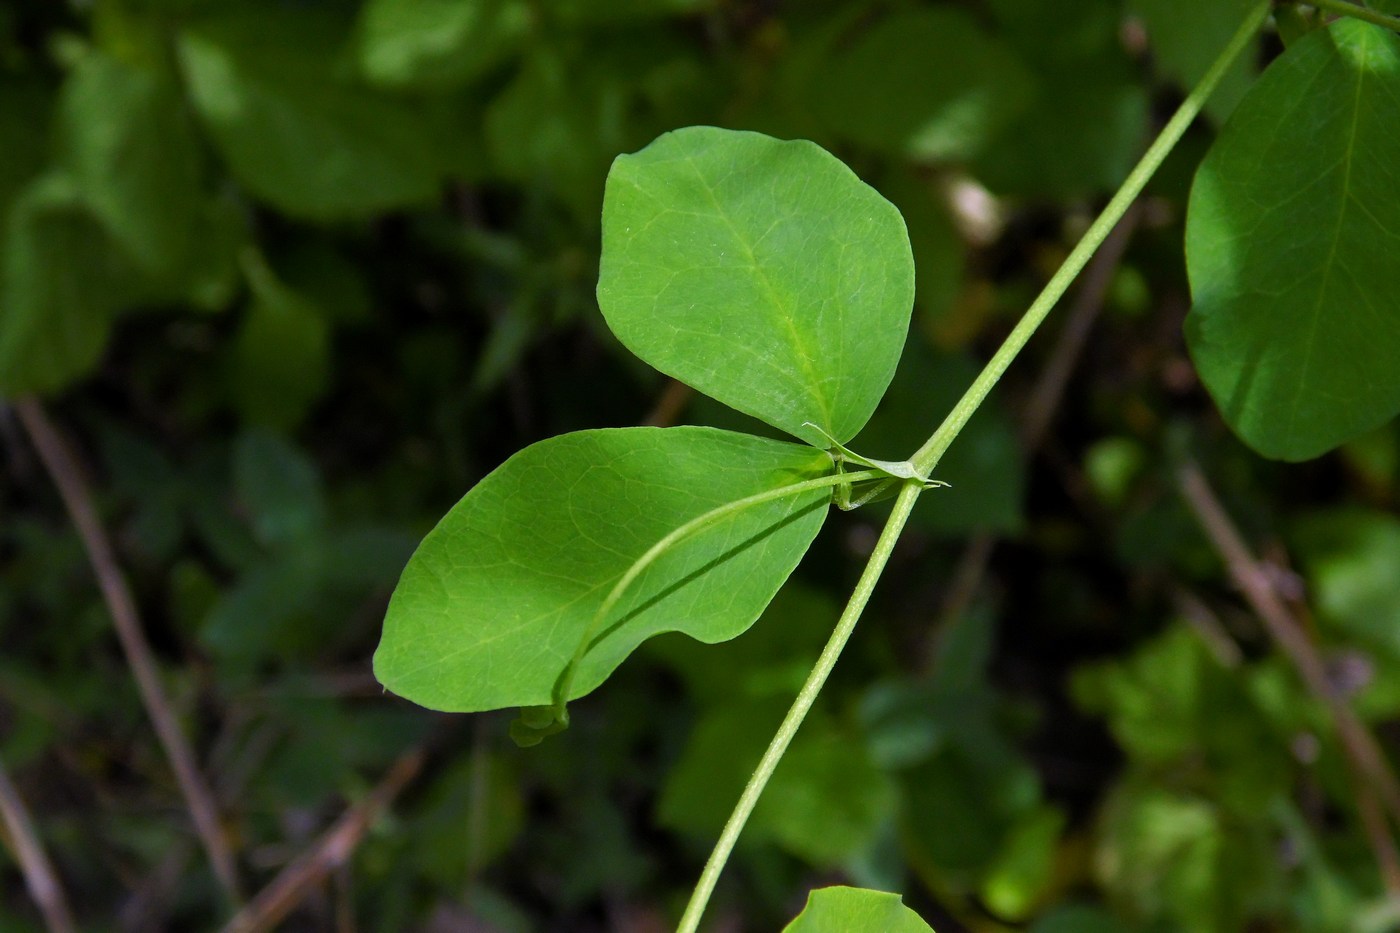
{"x": 294, "y": 274}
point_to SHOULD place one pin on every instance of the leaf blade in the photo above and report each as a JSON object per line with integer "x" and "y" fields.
{"x": 1291, "y": 236}
{"x": 492, "y": 607}
{"x": 762, "y": 272}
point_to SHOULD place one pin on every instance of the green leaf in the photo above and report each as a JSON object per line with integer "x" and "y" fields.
{"x": 927, "y": 84}
{"x": 826, "y": 803}
{"x": 1291, "y": 239}
{"x": 761, "y": 272}
{"x": 841, "y": 909}
{"x": 24, "y": 112}
{"x": 63, "y": 280}
{"x": 279, "y": 488}
{"x": 297, "y": 135}
{"x": 126, "y": 140}
{"x": 437, "y": 43}
{"x": 1350, "y": 560}
{"x": 279, "y": 362}
{"x": 1079, "y": 136}
{"x": 1187, "y": 37}
{"x": 509, "y": 585}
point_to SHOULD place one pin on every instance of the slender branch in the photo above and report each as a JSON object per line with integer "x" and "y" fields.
{"x": 1355, "y": 11}
{"x": 39, "y": 876}
{"x": 927, "y": 456}
{"x": 62, "y": 466}
{"x": 331, "y": 851}
{"x": 884, "y": 547}
{"x": 1254, "y": 582}
{"x": 669, "y": 404}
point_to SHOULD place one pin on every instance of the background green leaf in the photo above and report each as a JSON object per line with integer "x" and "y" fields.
{"x": 294, "y": 131}
{"x": 497, "y": 598}
{"x": 856, "y": 910}
{"x": 1291, "y": 243}
{"x": 62, "y": 283}
{"x": 132, "y": 151}
{"x": 762, "y": 272}
{"x": 924, "y": 83}
{"x": 405, "y": 43}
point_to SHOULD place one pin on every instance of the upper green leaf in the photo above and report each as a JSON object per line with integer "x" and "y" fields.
{"x": 437, "y": 42}
{"x": 502, "y": 594}
{"x": 924, "y": 83}
{"x": 1291, "y": 244}
{"x": 132, "y": 151}
{"x": 61, "y": 283}
{"x": 762, "y": 272}
{"x": 300, "y": 138}
{"x": 856, "y": 910}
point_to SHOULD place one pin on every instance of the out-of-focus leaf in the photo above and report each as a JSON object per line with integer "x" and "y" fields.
{"x": 280, "y": 489}
{"x": 280, "y": 359}
{"x": 927, "y": 84}
{"x": 855, "y": 910}
{"x": 1078, "y": 918}
{"x": 1079, "y": 136}
{"x": 412, "y": 43}
{"x": 24, "y": 111}
{"x": 574, "y": 13}
{"x": 762, "y": 272}
{"x": 962, "y": 804}
{"x": 824, "y": 803}
{"x": 61, "y": 282}
{"x": 1017, "y": 880}
{"x": 1187, "y": 37}
{"x": 298, "y": 135}
{"x": 131, "y": 150}
{"x": 470, "y": 815}
{"x": 1172, "y": 857}
{"x": 556, "y": 126}
{"x": 938, "y": 250}
{"x": 1351, "y": 561}
{"x": 1291, "y": 239}
{"x": 1173, "y": 702}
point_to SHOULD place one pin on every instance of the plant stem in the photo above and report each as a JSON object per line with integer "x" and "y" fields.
{"x": 1356, "y": 11}
{"x": 690, "y": 921}
{"x": 927, "y": 456}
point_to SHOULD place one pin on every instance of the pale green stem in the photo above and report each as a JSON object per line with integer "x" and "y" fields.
{"x": 690, "y": 921}
{"x": 927, "y": 456}
{"x": 1355, "y": 11}
{"x": 697, "y": 524}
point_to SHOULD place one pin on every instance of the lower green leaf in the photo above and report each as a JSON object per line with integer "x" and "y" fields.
{"x": 856, "y": 910}
{"x": 514, "y": 598}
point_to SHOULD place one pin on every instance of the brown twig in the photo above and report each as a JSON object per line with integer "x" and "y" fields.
{"x": 39, "y": 876}
{"x": 1256, "y": 583}
{"x": 62, "y": 466}
{"x": 331, "y": 851}
{"x": 669, "y": 404}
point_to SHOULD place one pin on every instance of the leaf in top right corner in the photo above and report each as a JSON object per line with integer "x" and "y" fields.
{"x": 1293, "y": 248}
